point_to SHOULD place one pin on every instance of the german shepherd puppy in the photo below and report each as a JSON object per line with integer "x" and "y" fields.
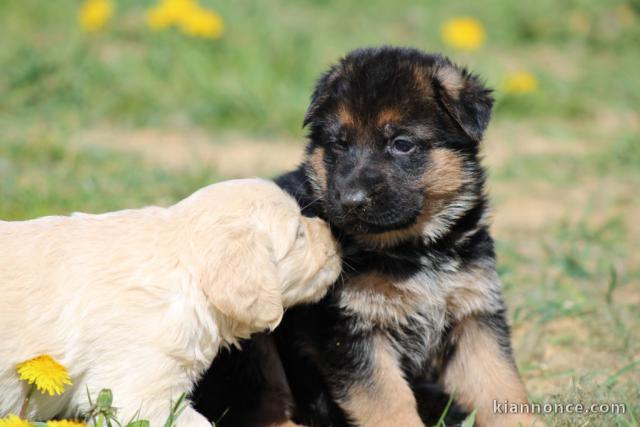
{"x": 392, "y": 164}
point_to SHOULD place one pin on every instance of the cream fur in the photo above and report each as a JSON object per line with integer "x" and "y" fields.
{"x": 140, "y": 301}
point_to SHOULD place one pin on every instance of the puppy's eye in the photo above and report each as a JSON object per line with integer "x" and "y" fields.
{"x": 402, "y": 145}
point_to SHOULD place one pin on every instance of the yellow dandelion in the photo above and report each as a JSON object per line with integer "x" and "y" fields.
{"x": 48, "y": 375}
{"x": 66, "y": 423}
{"x": 14, "y": 421}
{"x": 94, "y": 14}
{"x": 463, "y": 33}
{"x": 202, "y": 23}
{"x": 188, "y": 16}
{"x": 167, "y": 13}
{"x": 520, "y": 82}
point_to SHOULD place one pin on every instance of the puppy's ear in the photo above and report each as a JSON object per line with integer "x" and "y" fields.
{"x": 243, "y": 279}
{"x": 465, "y": 98}
{"x": 320, "y": 93}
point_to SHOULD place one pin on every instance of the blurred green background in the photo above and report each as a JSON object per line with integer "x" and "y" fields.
{"x": 107, "y": 112}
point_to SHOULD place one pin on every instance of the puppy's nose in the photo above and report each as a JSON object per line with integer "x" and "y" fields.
{"x": 354, "y": 198}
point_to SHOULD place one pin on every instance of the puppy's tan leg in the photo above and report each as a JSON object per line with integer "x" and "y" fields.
{"x": 386, "y": 399}
{"x": 483, "y": 370}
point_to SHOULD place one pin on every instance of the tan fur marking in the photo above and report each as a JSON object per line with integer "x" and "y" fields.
{"x": 479, "y": 373}
{"x": 316, "y": 159}
{"x": 441, "y": 181}
{"x": 451, "y": 80}
{"x": 443, "y": 178}
{"x": 375, "y": 298}
{"x": 461, "y": 299}
{"x": 388, "y": 400}
{"x": 473, "y": 291}
{"x": 422, "y": 82}
{"x": 345, "y": 116}
{"x": 390, "y": 238}
{"x": 388, "y": 115}
{"x": 387, "y": 303}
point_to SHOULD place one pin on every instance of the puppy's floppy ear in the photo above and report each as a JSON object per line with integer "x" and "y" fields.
{"x": 320, "y": 93}
{"x": 464, "y": 97}
{"x": 244, "y": 282}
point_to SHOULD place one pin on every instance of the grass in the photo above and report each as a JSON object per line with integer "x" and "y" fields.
{"x": 273, "y": 51}
{"x": 572, "y": 280}
{"x": 564, "y": 161}
{"x": 41, "y": 175}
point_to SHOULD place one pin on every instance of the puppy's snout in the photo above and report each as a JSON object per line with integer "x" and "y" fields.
{"x": 354, "y": 198}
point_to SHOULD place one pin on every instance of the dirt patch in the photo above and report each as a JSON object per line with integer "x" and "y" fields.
{"x": 526, "y": 213}
{"x": 606, "y": 122}
{"x": 531, "y": 206}
{"x": 181, "y": 150}
{"x": 509, "y": 140}
{"x": 628, "y": 295}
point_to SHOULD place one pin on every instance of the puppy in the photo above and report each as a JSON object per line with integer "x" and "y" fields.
{"x": 393, "y": 165}
{"x": 139, "y": 301}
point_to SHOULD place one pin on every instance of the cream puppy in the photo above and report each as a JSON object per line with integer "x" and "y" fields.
{"x": 140, "y": 301}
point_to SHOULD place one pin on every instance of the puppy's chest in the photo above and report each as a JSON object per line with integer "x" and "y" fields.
{"x": 415, "y": 313}
{"x": 415, "y": 306}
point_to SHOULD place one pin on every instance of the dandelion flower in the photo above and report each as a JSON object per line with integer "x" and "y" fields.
{"x": 202, "y": 23}
{"x": 520, "y": 82}
{"x": 94, "y": 14}
{"x": 464, "y": 33}
{"x": 187, "y": 15}
{"x": 48, "y": 375}
{"x": 167, "y": 13}
{"x": 66, "y": 423}
{"x": 14, "y": 421}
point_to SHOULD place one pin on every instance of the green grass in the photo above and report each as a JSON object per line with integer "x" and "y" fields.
{"x": 258, "y": 77}
{"x": 565, "y": 160}
{"x": 102, "y": 412}
{"x": 41, "y": 176}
